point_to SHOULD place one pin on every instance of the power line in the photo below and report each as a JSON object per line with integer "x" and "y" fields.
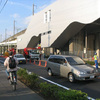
{"x": 0, "y": 2}
{"x": 3, "y": 6}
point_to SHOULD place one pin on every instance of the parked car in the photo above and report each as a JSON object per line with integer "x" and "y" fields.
{"x": 20, "y": 58}
{"x": 71, "y": 67}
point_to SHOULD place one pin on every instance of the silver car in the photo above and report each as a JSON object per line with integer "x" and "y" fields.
{"x": 21, "y": 59}
{"x": 71, "y": 67}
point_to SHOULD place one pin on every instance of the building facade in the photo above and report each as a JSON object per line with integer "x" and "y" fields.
{"x": 66, "y": 26}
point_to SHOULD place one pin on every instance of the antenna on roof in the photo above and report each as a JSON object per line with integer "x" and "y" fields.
{"x": 33, "y": 7}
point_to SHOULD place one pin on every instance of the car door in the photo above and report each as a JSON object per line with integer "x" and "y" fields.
{"x": 53, "y": 65}
{"x": 64, "y": 68}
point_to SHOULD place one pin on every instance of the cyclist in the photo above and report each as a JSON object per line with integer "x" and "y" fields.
{"x": 6, "y": 64}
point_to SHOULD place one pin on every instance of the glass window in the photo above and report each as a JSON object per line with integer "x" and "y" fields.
{"x": 60, "y": 61}
{"x": 45, "y": 17}
{"x": 34, "y": 51}
{"x": 49, "y": 15}
{"x": 75, "y": 61}
{"x": 57, "y": 60}
{"x": 19, "y": 56}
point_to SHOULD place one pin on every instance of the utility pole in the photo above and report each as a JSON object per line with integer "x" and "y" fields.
{"x": 5, "y": 34}
{"x": 14, "y": 28}
{"x": 33, "y": 8}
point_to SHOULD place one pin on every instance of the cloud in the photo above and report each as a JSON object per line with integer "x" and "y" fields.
{"x": 15, "y": 16}
{"x": 20, "y": 4}
{"x": 27, "y": 20}
{"x": 42, "y": 7}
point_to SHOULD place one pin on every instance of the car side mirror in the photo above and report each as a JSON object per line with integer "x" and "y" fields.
{"x": 65, "y": 63}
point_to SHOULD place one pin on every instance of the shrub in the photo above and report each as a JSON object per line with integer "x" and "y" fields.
{"x": 29, "y": 79}
{"x": 48, "y": 90}
{"x": 71, "y": 95}
{"x": 91, "y": 62}
{"x": 58, "y": 93}
{"x": 32, "y": 80}
{"x": 22, "y": 73}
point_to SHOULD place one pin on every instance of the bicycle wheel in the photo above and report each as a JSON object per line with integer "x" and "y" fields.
{"x": 10, "y": 82}
{"x": 14, "y": 86}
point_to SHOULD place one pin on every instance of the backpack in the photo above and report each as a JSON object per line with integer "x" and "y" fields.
{"x": 12, "y": 63}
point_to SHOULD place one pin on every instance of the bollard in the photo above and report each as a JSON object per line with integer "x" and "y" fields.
{"x": 45, "y": 63}
{"x": 39, "y": 62}
{"x": 30, "y": 61}
{"x": 34, "y": 62}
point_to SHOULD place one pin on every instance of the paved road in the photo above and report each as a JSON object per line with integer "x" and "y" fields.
{"x": 22, "y": 92}
{"x": 92, "y": 88}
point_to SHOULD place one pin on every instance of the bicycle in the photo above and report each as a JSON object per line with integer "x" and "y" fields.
{"x": 13, "y": 79}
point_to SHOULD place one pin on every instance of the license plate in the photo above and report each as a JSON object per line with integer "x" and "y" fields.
{"x": 91, "y": 76}
{"x": 20, "y": 61}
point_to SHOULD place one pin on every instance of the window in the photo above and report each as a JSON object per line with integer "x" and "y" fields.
{"x": 75, "y": 61}
{"x": 57, "y": 60}
{"x": 45, "y": 17}
{"x": 49, "y": 15}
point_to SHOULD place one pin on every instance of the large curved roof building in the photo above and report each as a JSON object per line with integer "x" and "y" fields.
{"x": 65, "y": 25}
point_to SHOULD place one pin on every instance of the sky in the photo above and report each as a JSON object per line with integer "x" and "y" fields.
{"x": 19, "y": 11}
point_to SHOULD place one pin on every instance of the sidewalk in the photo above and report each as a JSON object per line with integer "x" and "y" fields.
{"x": 22, "y": 92}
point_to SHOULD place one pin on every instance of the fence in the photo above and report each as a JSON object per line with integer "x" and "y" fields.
{"x": 88, "y": 55}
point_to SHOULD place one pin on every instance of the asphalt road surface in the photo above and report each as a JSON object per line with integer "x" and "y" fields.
{"x": 92, "y": 88}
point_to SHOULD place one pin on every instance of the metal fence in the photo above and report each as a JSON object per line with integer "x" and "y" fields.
{"x": 88, "y": 55}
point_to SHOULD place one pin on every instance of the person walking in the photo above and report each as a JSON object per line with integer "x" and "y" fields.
{"x": 96, "y": 60}
{"x": 7, "y": 64}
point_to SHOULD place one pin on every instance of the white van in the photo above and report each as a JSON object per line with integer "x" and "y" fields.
{"x": 34, "y": 54}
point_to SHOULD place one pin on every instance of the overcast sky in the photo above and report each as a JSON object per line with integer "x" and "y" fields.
{"x": 20, "y": 11}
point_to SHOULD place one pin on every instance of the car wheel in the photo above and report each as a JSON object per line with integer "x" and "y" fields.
{"x": 50, "y": 72}
{"x": 71, "y": 77}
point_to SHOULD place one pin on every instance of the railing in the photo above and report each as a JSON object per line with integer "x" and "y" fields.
{"x": 88, "y": 55}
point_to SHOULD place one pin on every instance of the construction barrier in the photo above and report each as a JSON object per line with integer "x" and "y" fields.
{"x": 28, "y": 60}
{"x": 41, "y": 63}
{"x": 4, "y": 56}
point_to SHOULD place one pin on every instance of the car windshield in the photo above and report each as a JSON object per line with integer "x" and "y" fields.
{"x": 19, "y": 56}
{"x": 34, "y": 51}
{"x": 75, "y": 61}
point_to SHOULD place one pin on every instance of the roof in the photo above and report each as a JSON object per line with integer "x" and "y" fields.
{"x": 68, "y": 17}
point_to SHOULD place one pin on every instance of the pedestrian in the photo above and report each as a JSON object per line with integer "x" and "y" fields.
{"x": 96, "y": 60}
{"x": 8, "y": 62}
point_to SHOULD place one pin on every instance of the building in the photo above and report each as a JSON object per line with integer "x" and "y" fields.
{"x": 66, "y": 26}
{"x": 10, "y": 42}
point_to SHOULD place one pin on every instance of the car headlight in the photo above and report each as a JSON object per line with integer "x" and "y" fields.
{"x": 80, "y": 73}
